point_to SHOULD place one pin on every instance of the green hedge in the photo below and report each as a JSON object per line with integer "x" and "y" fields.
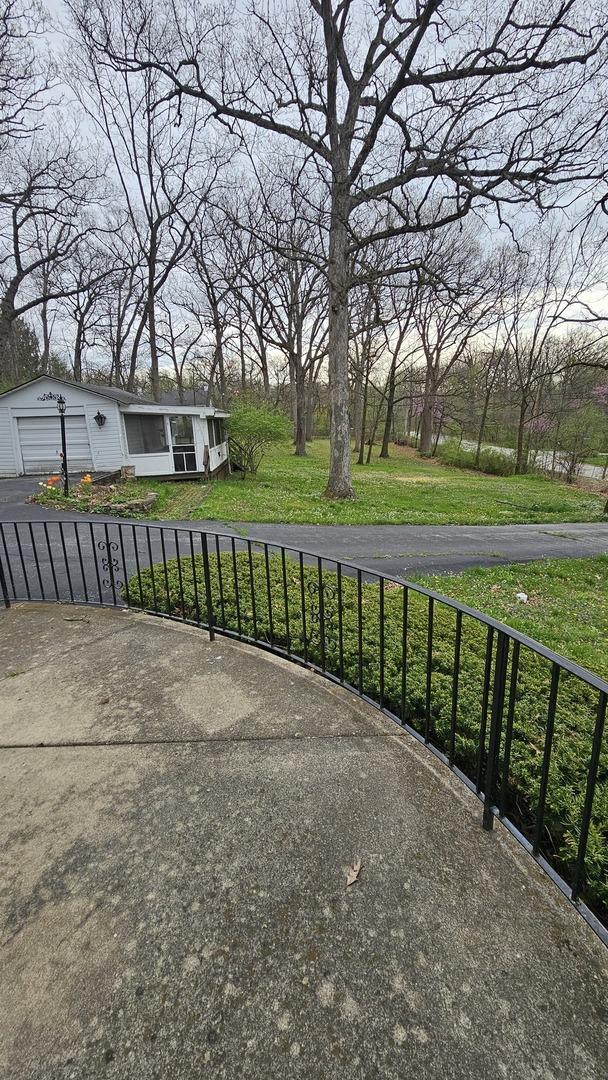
{"x": 490, "y": 461}
{"x": 162, "y": 590}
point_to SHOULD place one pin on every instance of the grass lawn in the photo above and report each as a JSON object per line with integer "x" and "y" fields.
{"x": 178, "y": 500}
{"x": 406, "y": 489}
{"x": 567, "y": 608}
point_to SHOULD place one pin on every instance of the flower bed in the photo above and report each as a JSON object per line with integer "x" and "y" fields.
{"x": 120, "y": 499}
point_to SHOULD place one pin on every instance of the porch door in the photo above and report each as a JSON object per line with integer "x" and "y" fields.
{"x": 182, "y": 440}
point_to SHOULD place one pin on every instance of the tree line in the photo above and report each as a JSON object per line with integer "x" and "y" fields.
{"x": 373, "y": 218}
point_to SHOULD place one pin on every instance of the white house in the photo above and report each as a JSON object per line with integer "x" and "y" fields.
{"x": 106, "y": 429}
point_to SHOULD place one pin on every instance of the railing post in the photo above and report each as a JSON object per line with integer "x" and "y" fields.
{"x": 4, "y": 587}
{"x": 207, "y": 578}
{"x": 596, "y": 750}
{"x": 498, "y": 702}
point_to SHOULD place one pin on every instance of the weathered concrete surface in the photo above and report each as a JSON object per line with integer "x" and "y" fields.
{"x": 176, "y": 907}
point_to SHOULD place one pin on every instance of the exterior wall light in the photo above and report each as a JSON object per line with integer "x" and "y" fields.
{"x": 99, "y": 419}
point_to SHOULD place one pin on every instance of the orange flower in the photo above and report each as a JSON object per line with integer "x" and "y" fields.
{"x": 87, "y": 479}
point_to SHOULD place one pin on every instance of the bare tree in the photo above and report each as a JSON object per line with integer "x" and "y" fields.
{"x": 164, "y": 171}
{"x": 42, "y": 224}
{"x": 26, "y": 78}
{"x": 551, "y": 278}
{"x": 180, "y": 341}
{"x": 456, "y": 300}
{"x": 292, "y": 287}
{"x": 394, "y": 106}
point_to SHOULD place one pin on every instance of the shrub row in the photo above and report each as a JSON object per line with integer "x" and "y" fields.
{"x": 249, "y": 598}
{"x": 490, "y": 461}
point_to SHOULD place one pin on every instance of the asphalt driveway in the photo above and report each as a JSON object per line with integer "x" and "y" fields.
{"x": 399, "y": 550}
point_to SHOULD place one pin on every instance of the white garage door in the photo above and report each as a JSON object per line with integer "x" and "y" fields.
{"x": 40, "y": 441}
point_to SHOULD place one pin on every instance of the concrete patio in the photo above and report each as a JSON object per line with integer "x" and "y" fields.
{"x": 178, "y": 817}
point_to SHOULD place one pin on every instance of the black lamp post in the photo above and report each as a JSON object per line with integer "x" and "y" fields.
{"x": 64, "y": 453}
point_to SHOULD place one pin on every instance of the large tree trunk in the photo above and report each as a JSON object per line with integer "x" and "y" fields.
{"x": 521, "y": 457}
{"x": 154, "y": 374}
{"x": 425, "y": 445}
{"x": 134, "y": 351}
{"x": 390, "y": 405}
{"x": 219, "y": 356}
{"x": 300, "y": 411}
{"x": 78, "y": 347}
{"x": 7, "y": 317}
{"x": 339, "y": 484}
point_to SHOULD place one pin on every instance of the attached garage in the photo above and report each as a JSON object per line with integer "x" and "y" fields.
{"x": 40, "y": 443}
{"x": 107, "y": 429}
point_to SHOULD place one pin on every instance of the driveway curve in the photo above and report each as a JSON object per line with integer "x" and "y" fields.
{"x": 178, "y": 818}
{"x": 398, "y": 550}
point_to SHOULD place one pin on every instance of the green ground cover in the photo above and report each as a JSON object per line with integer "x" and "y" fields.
{"x": 405, "y": 489}
{"x": 250, "y": 598}
{"x": 567, "y": 607}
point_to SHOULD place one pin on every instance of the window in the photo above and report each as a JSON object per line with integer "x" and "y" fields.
{"x": 145, "y": 433}
{"x": 216, "y": 431}
{"x": 181, "y": 430}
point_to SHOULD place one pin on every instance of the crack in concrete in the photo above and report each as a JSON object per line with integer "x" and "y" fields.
{"x": 104, "y": 743}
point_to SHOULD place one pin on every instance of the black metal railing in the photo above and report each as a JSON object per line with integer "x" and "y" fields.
{"x": 523, "y": 728}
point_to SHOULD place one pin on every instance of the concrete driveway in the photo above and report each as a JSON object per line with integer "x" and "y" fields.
{"x": 178, "y": 817}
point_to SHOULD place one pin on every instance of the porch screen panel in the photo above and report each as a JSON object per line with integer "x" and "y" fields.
{"x": 145, "y": 434}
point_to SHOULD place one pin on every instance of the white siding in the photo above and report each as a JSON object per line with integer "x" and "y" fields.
{"x": 151, "y": 464}
{"x": 106, "y": 441}
{"x": 26, "y": 398}
{"x": 93, "y": 447}
{"x": 8, "y": 466}
{"x": 217, "y": 455}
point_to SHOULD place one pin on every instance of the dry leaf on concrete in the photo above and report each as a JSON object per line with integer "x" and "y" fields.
{"x": 352, "y": 874}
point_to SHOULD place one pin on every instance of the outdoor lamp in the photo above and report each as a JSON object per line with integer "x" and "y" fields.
{"x": 64, "y": 451}
{"x": 99, "y": 419}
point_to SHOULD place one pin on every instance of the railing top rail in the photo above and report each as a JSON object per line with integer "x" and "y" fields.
{"x": 563, "y": 662}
